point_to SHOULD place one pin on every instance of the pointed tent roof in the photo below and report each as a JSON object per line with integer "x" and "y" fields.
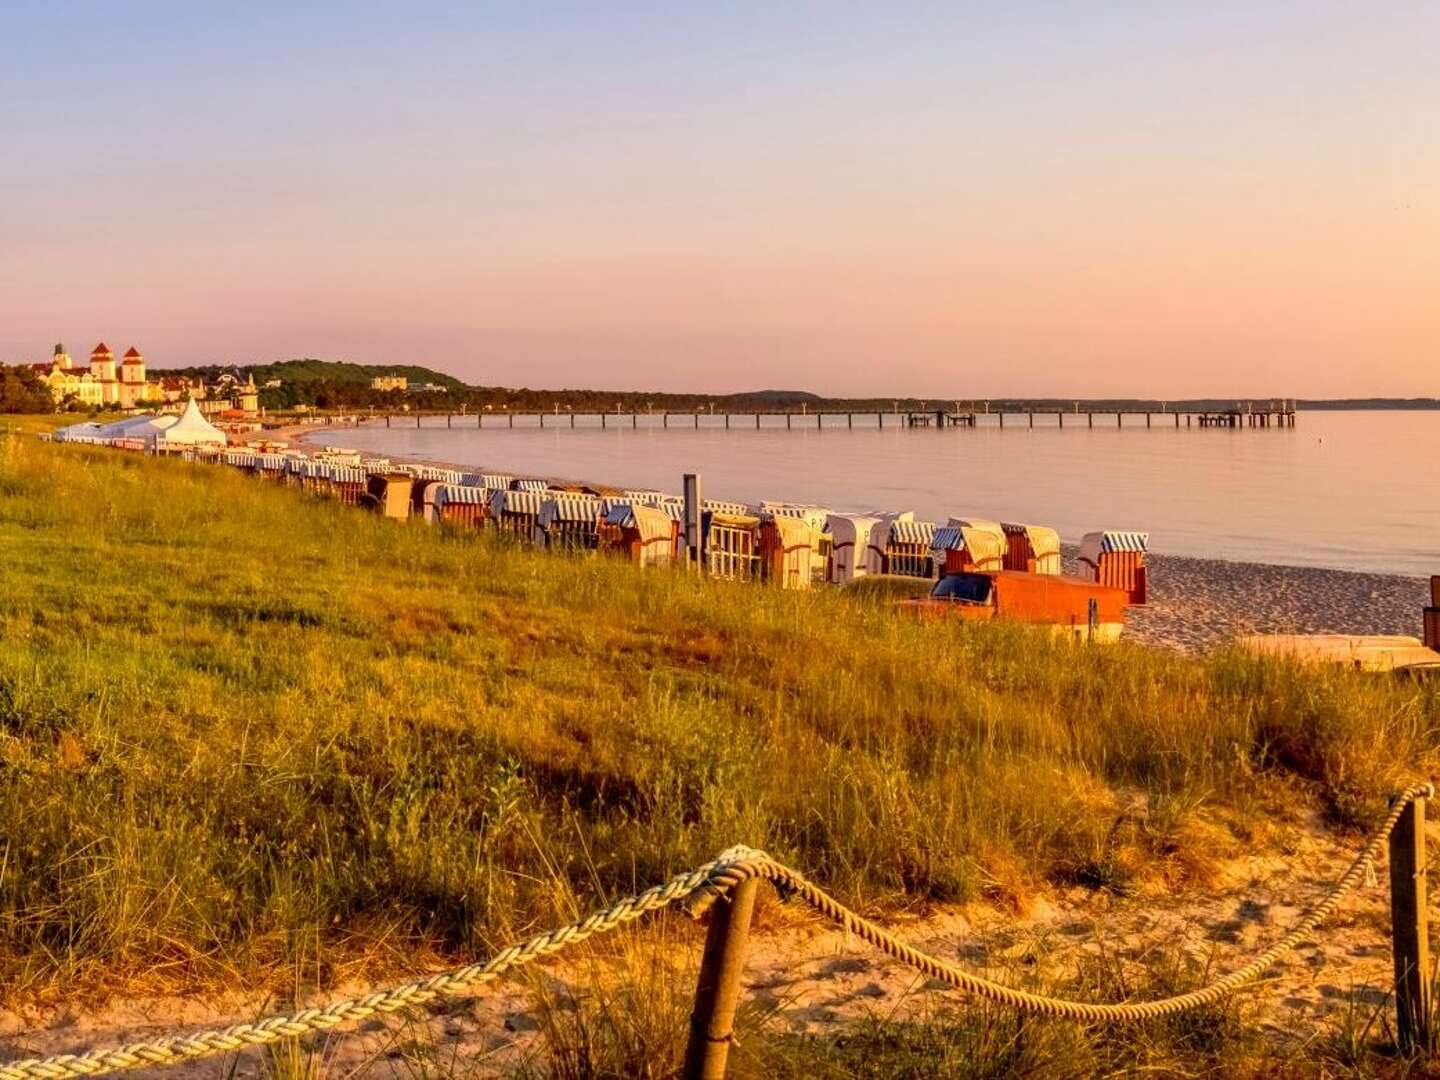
{"x": 192, "y": 428}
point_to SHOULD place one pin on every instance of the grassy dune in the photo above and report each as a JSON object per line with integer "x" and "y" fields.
{"x": 242, "y": 730}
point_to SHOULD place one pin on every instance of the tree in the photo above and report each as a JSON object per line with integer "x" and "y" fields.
{"x": 21, "y": 391}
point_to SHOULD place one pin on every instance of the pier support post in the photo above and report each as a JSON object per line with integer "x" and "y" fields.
{"x": 542, "y": 421}
{"x": 697, "y": 421}
{"x": 449, "y": 420}
{"x": 572, "y": 419}
{"x": 717, "y": 991}
{"x": 1060, "y": 418}
{"x": 1118, "y": 421}
{"x": 1148, "y": 418}
{"x": 602, "y": 420}
{"x": 1002, "y": 419}
{"x": 417, "y": 419}
{"x": 634, "y": 420}
{"x": 787, "y": 421}
{"x": 1091, "y": 417}
{"x": 817, "y": 420}
{"x": 665, "y": 420}
{"x": 757, "y": 421}
{"x": 1409, "y": 929}
{"x": 850, "y": 420}
{"x": 727, "y": 421}
{"x": 387, "y": 419}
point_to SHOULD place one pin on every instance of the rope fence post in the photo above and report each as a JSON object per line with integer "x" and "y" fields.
{"x": 717, "y": 990}
{"x": 1409, "y": 928}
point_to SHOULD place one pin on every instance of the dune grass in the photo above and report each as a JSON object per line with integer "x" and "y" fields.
{"x": 244, "y": 730}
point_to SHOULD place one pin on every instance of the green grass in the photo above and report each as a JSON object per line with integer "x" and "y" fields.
{"x": 245, "y": 731}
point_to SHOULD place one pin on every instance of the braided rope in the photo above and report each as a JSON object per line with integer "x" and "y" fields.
{"x": 175, "y": 1049}
{"x": 698, "y": 888}
{"x": 787, "y": 880}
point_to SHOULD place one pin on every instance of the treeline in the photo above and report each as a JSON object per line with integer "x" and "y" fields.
{"x": 21, "y": 391}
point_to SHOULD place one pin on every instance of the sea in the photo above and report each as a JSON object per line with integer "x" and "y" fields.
{"x": 1347, "y": 490}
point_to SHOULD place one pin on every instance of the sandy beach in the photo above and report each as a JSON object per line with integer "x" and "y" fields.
{"x": 1195, "y": 604}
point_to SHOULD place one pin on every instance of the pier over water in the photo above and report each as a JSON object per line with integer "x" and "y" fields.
{"x": 1268, "y": 414}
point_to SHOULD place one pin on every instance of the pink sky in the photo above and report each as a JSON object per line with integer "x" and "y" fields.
{"x": 1240, "y": 202}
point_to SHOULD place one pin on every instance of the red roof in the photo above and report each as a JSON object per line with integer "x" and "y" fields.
{"x": 101, "y": 348}
{"x": 133, "y": 353}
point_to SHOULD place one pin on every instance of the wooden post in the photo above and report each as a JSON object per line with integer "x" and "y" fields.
{"x": 717, "y": 991}
{"x": 634, "y": 420}
{"x": 1409, "y": 928}
{"x": 694, "y": 521}
{"x": 542, "y": 419}
{"x": 387, "y": 419}
{"x": 1091, "y": 417}
{"x": 757, "y": 421}
{"x": 665, "y": 420}
{"x": 787, "y": 421}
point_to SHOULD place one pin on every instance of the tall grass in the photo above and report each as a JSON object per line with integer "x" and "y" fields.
{"x": 240, "y": 726}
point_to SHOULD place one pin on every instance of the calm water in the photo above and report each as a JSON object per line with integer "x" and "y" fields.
{"x": 1353, "y": 490}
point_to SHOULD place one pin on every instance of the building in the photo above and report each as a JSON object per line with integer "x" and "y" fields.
{"x": 389, "y": 382}
{"x": 102, "y": 384}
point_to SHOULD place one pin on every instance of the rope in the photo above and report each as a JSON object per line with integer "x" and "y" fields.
{"x": 788, "y": 881}
{"x": 173, "y": 1050}
{"x": 698, "y": 888}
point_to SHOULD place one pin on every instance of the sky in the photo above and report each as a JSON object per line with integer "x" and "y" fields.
{"x": 950, "y": 199}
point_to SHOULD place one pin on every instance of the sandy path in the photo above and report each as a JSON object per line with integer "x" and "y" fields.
{"x": 809, "y": 979}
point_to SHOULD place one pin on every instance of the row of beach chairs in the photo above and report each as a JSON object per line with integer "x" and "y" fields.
{"x": 790, "y": 545}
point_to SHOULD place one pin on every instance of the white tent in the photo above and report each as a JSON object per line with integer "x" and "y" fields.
{"x": 191, "y": 429}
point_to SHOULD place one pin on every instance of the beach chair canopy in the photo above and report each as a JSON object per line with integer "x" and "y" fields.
{"x": 850, "y": 529}
{"x": 517, "y": 502}
{"x": 910, "y": 531}
{"x": 529, "y": 484}
{"x": 794, "y": 532}
{"x": 813, "y": 516}
{"x": 720, "y": 506}
{"x": 1096, "y": 544}
{"x": 457, "y": 494}
{"x": 1043, "y": 540}
{"x": 649, "y": 522}
{"x": 982, "y": 544}
{"x": 571, "y": 509}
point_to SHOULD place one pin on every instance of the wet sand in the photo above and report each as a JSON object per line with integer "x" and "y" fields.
{"x": 1199, "y": 604}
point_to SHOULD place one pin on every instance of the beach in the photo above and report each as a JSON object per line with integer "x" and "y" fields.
{"x": 1195, "y": 604}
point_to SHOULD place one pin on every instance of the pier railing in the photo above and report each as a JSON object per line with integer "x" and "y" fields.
{"x": 725, "y": 888}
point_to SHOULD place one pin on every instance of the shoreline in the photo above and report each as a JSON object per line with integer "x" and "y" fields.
{"x": 1196, "y": 603}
